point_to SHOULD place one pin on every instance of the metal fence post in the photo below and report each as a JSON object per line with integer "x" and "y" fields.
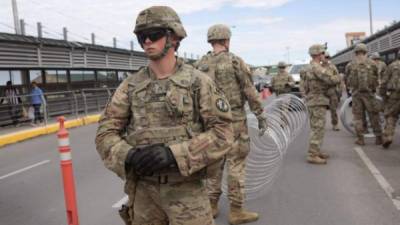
{"x": 44, "y": 109}
{"x": 75, "y": 104}
{"x": 84, "y": 101}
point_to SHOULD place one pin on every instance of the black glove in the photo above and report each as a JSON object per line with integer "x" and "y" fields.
{"x": 132, "y": 158}
{"x": 154, "y": 158}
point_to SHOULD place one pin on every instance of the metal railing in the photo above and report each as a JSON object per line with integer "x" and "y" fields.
{"x": 74, "y": 103}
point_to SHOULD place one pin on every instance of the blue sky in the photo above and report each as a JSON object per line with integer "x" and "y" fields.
{"x": 264, "y": 31}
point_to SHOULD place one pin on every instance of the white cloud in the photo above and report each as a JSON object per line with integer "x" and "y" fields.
{"x": 260, "y": 3}
{"x": 262, "y": 20}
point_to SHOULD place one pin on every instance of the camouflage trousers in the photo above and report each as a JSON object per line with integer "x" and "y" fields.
{"x": 184, "y": 203}
{"x": 392, "y": 111}
{"x": 365, "y": 102}
{"x": 235, "y": 161}
{"x": 317, "y": 116}
{"x": 333, "y": 105}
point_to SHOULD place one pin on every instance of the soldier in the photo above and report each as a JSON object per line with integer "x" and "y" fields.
{"x": 362, "y": 79}
{"x": 282, "y": 83}
{"x": 233, "y": 77}
{"x": 316, "y": 79}
{"x": 334, "y": 92}
{"x": 381, "y": 65}
{"x": 390, "y": 92}
{"x": 163, "y": 128}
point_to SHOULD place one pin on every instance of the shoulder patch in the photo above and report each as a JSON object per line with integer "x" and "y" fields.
{"x": 222, "y": 105}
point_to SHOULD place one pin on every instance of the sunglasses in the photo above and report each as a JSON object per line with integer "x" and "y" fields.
{"x": 152, "y": 35}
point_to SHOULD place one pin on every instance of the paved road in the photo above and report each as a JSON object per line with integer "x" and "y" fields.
{"x": 341, "y": 193}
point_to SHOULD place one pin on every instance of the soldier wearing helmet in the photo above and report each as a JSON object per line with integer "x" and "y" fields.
{"x": 233, "y": 77}
{"x": 390, "y": 92}
{"x": 334, "y": 92}
{"x": 315, "y": 80}
{"x": 380, "y": 64}
{"x": 282, "y": 83}
{"x": 164, "y": 129}
{"x": 361, "y": 76}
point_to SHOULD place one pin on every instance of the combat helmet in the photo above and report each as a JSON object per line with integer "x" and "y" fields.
{"x": 327, "y": 55}
{"x": 218, "y": 32}
{"x": 361, "y": 47}
{"x": 316, "y": 49}
{"x": 375, "y": 55}
{"x": 160, "y": 17}
{"x": 282, "y": 64}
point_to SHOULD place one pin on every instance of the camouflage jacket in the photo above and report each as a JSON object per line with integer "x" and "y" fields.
{"x": 333, "y": 90}
{"x": 282, "y": 83}
{"x": 184, "y": 111}
{"x": 391, "y": 81}
{"x": 315, "y": 79}
{"x": 381, "y": 70}
{"x": 233, "y": 77}
{"x": 361, "y": 75}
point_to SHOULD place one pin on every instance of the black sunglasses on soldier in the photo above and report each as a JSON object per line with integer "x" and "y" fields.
{"x": 152, "y": 35}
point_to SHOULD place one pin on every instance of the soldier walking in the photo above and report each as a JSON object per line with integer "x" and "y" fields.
{"x": 316, "y": 79}
{"x": 362, "y": 78}
{"x": 390, "y": 92}
{"x": 163, "y": 128}
{"x": 282, "y": 83}
{"x": 233, "y": 77}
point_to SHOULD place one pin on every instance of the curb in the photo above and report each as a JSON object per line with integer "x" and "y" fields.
{"x": 49, "y": 129}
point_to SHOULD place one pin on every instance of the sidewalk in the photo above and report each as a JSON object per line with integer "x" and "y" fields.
{"x": 11, "y": 134}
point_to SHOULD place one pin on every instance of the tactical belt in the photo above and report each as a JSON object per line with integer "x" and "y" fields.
{"x": 172, "y": 178}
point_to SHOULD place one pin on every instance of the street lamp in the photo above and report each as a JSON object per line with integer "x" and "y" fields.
{"x": 370, "y": 17}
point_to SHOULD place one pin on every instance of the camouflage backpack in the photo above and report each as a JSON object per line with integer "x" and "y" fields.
{"x": 394, "y": 81}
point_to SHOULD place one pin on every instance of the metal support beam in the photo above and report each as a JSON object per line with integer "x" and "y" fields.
{"x": 93, "y": 39}
{"x": 370, "y": 18}
{"x": 65, "y": 34}
{"x": 22, "y": 24}
{"x": 132, "y": 46}
{"x": 115, "y": 42}
{"x": 16, "y": 17}
{"x": 40, "y": 29}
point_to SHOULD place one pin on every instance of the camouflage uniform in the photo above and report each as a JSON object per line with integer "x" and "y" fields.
{"x": 282, "y": 83}
{"x": 232, "y": 76}
{"x": 362, "y": 79}
{"x": 334, "y": 94}
{"x": 390, "y": 91}
{"x": 184, "y": 112}
{"x": 380, "y": 64}
{"x": 316, "y": 79}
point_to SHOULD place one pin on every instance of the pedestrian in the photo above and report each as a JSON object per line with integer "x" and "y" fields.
{"x": 316, "y": 79}
{"x": 164, "y": 129}
{"x": 233, "y": 77}
{"x": 13, "y": 101}
{"x": 362, "y": 78}
{"x": 390, "y": 92}
{"x": 36, "y": 100}
{"x": 334, "y": 92}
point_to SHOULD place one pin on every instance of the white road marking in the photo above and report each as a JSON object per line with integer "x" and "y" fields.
{"x": 24, "y": 169}
{"x": 118, "y": 205}
{"x": 379, "y": 177}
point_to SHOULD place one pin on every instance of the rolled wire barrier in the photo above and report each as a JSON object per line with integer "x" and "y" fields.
{"x": 287, "y": 116}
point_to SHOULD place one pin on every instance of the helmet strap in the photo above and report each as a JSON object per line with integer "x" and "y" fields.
{"x": 168, "y": 45}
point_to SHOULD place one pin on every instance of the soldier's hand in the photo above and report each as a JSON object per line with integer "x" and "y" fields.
{"x": 131, "y": 159}
{"x": 155, "y": 158}
{"x": 262, "y": 124}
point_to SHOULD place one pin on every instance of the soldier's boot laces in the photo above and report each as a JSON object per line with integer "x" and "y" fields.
{"x": 324, "y": 155}
{"x": 238, "y": 215}
{"x": 335, "y": 127}
{"x": 378, "y": 140}
{"x": 360, "y": 141}
{"x": 315, "y": 159}
{"x": 214, "y": 208}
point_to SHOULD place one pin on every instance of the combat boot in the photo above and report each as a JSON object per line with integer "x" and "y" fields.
{"x": 378, "y": 140}
{"x": 214, "y": 208}
{"x": 335, "y": 128}
{"x": 386, "y": 143}
{"x": 360, "y": 141}
{"x": 315, "y": 159}
{"x": 238, "y": 215}
{"x": 323, "y": 155}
